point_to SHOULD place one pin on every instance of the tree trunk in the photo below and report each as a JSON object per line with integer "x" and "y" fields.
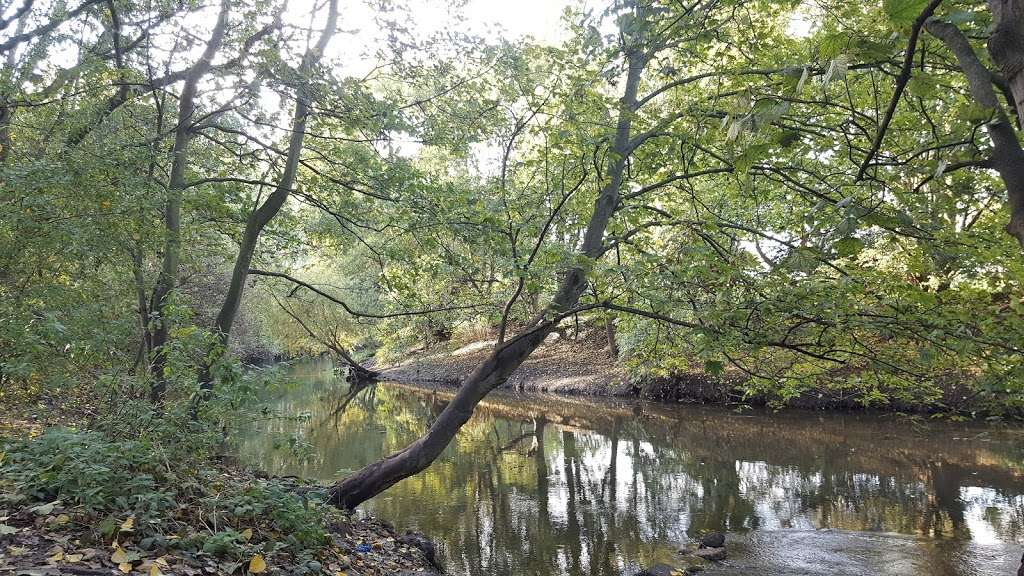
{"x": 609, "y": 332}
{"x": 1006, "y": 46}
{"x": 506, "y": 357}
{"x": 167, "y": 280}
{"x": 7, "y": 110}
{"x": 260, "y": 217}
{"x": 1007, "y": 155}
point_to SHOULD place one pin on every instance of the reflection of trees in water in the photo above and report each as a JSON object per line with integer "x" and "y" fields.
{"x": 577, "y": 494}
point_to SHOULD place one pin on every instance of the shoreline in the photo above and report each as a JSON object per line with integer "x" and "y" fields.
{"x": 584, "y": 368}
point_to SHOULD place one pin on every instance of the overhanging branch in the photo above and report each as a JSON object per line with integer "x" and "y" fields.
{"x": 352, "y": 311}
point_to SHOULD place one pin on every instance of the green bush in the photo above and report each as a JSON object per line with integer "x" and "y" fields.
{"x": 298, "y": 518}
{"x": 86, "y": 469}
{"x": 109, "y": 480}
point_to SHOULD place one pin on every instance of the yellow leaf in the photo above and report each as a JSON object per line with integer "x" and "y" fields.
{"x": 57, "y": 556}
{"x": 154, "y": 570}
{"x": 257, "y": 564}
{"x": 128, "y": 525}
{"x": 74, "y": 557}
{"x": 119, "y": 556}
{"x": 63, "y": 519}
{"x": 125, "y": 567}
{"x": 247, "y": 534}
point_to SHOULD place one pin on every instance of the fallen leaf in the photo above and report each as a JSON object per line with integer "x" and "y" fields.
{"x": 6, "y": 530}
{"x": 17, "y": 550}
{"x": 45, "y": 509}
{"x": 62, "y": 519}
{"x": 57, "y": 556}
{"x": 125, "y": 567}
{"x": 154, "y": 570}
{"x": 257, "y": 564}
{"x": 128, "y": 525}
{"x": 119, "y": 556}
{"x": 74, "y": 557}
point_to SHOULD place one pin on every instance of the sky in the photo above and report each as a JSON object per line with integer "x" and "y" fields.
{"x": 539, "y": 19}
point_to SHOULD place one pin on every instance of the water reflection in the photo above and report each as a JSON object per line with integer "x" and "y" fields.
{"x": 541, "y": 485}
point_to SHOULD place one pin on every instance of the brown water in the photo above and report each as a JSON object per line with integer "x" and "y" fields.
{"x": 541, "y": 485}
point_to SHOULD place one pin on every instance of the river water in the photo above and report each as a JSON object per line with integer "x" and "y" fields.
{"x": 543, "y": 485}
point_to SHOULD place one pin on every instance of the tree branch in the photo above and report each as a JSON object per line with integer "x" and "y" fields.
{"x": 901, "y": 84}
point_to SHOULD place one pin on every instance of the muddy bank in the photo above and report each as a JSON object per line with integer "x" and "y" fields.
{"x": 584, "y": 367}
{"x": 561, "y": 365}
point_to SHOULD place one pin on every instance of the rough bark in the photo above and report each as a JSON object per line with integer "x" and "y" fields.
{"x": 506, "y": 357}
{"x": 1007, "y": 155}
{"x": 167, "y": 280}
{"x": 1006, "y": 46}
{"x": 261, "y": 216}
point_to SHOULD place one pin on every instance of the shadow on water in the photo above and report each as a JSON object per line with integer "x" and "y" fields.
{"x": 539, "y": 485}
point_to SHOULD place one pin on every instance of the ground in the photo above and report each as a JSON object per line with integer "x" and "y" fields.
{"x": 561, "y": 365}
{"x": 49, "y": 535}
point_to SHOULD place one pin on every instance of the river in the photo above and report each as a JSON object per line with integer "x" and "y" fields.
{"x": 544, "y": 485}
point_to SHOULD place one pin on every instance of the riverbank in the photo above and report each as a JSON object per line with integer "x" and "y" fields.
{"x": 584, "y": 367}
{"x": 560, "y": 365}
{"x": 83, "y": 503}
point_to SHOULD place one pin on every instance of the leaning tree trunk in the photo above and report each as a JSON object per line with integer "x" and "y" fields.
{"x": 506, "y": 357}
{"x": 1007, "y": 154}
{"x": 168, "y": 277}
{"x": 262, "y": 216}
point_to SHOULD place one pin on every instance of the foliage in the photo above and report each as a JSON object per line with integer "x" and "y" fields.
{"x": 166, "y": 493}
{"x": 446, "y": 191}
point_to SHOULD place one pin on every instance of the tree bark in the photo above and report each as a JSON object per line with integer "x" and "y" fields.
{"x": 1007, "y": 155}
{"x": 261, "y": 216}
{"x": 609, "y": 332}
{"x": 167, "y": 280}
{"x": 6, "y": 110}
{"x": 506, "y": 357}
{"x": 1006, "y": 46}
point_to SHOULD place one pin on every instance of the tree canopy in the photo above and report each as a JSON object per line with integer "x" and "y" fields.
{"x": 808, "y": 196}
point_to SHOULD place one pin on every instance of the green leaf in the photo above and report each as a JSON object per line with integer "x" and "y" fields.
{"x": 714, "y": 367}
{"x": 922, "y": 85}
{"x": 904, "y": 12}
{"x": 848, "y": 246}
{"x": 836, "y": 69}
{"x": 961, "y": 17}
